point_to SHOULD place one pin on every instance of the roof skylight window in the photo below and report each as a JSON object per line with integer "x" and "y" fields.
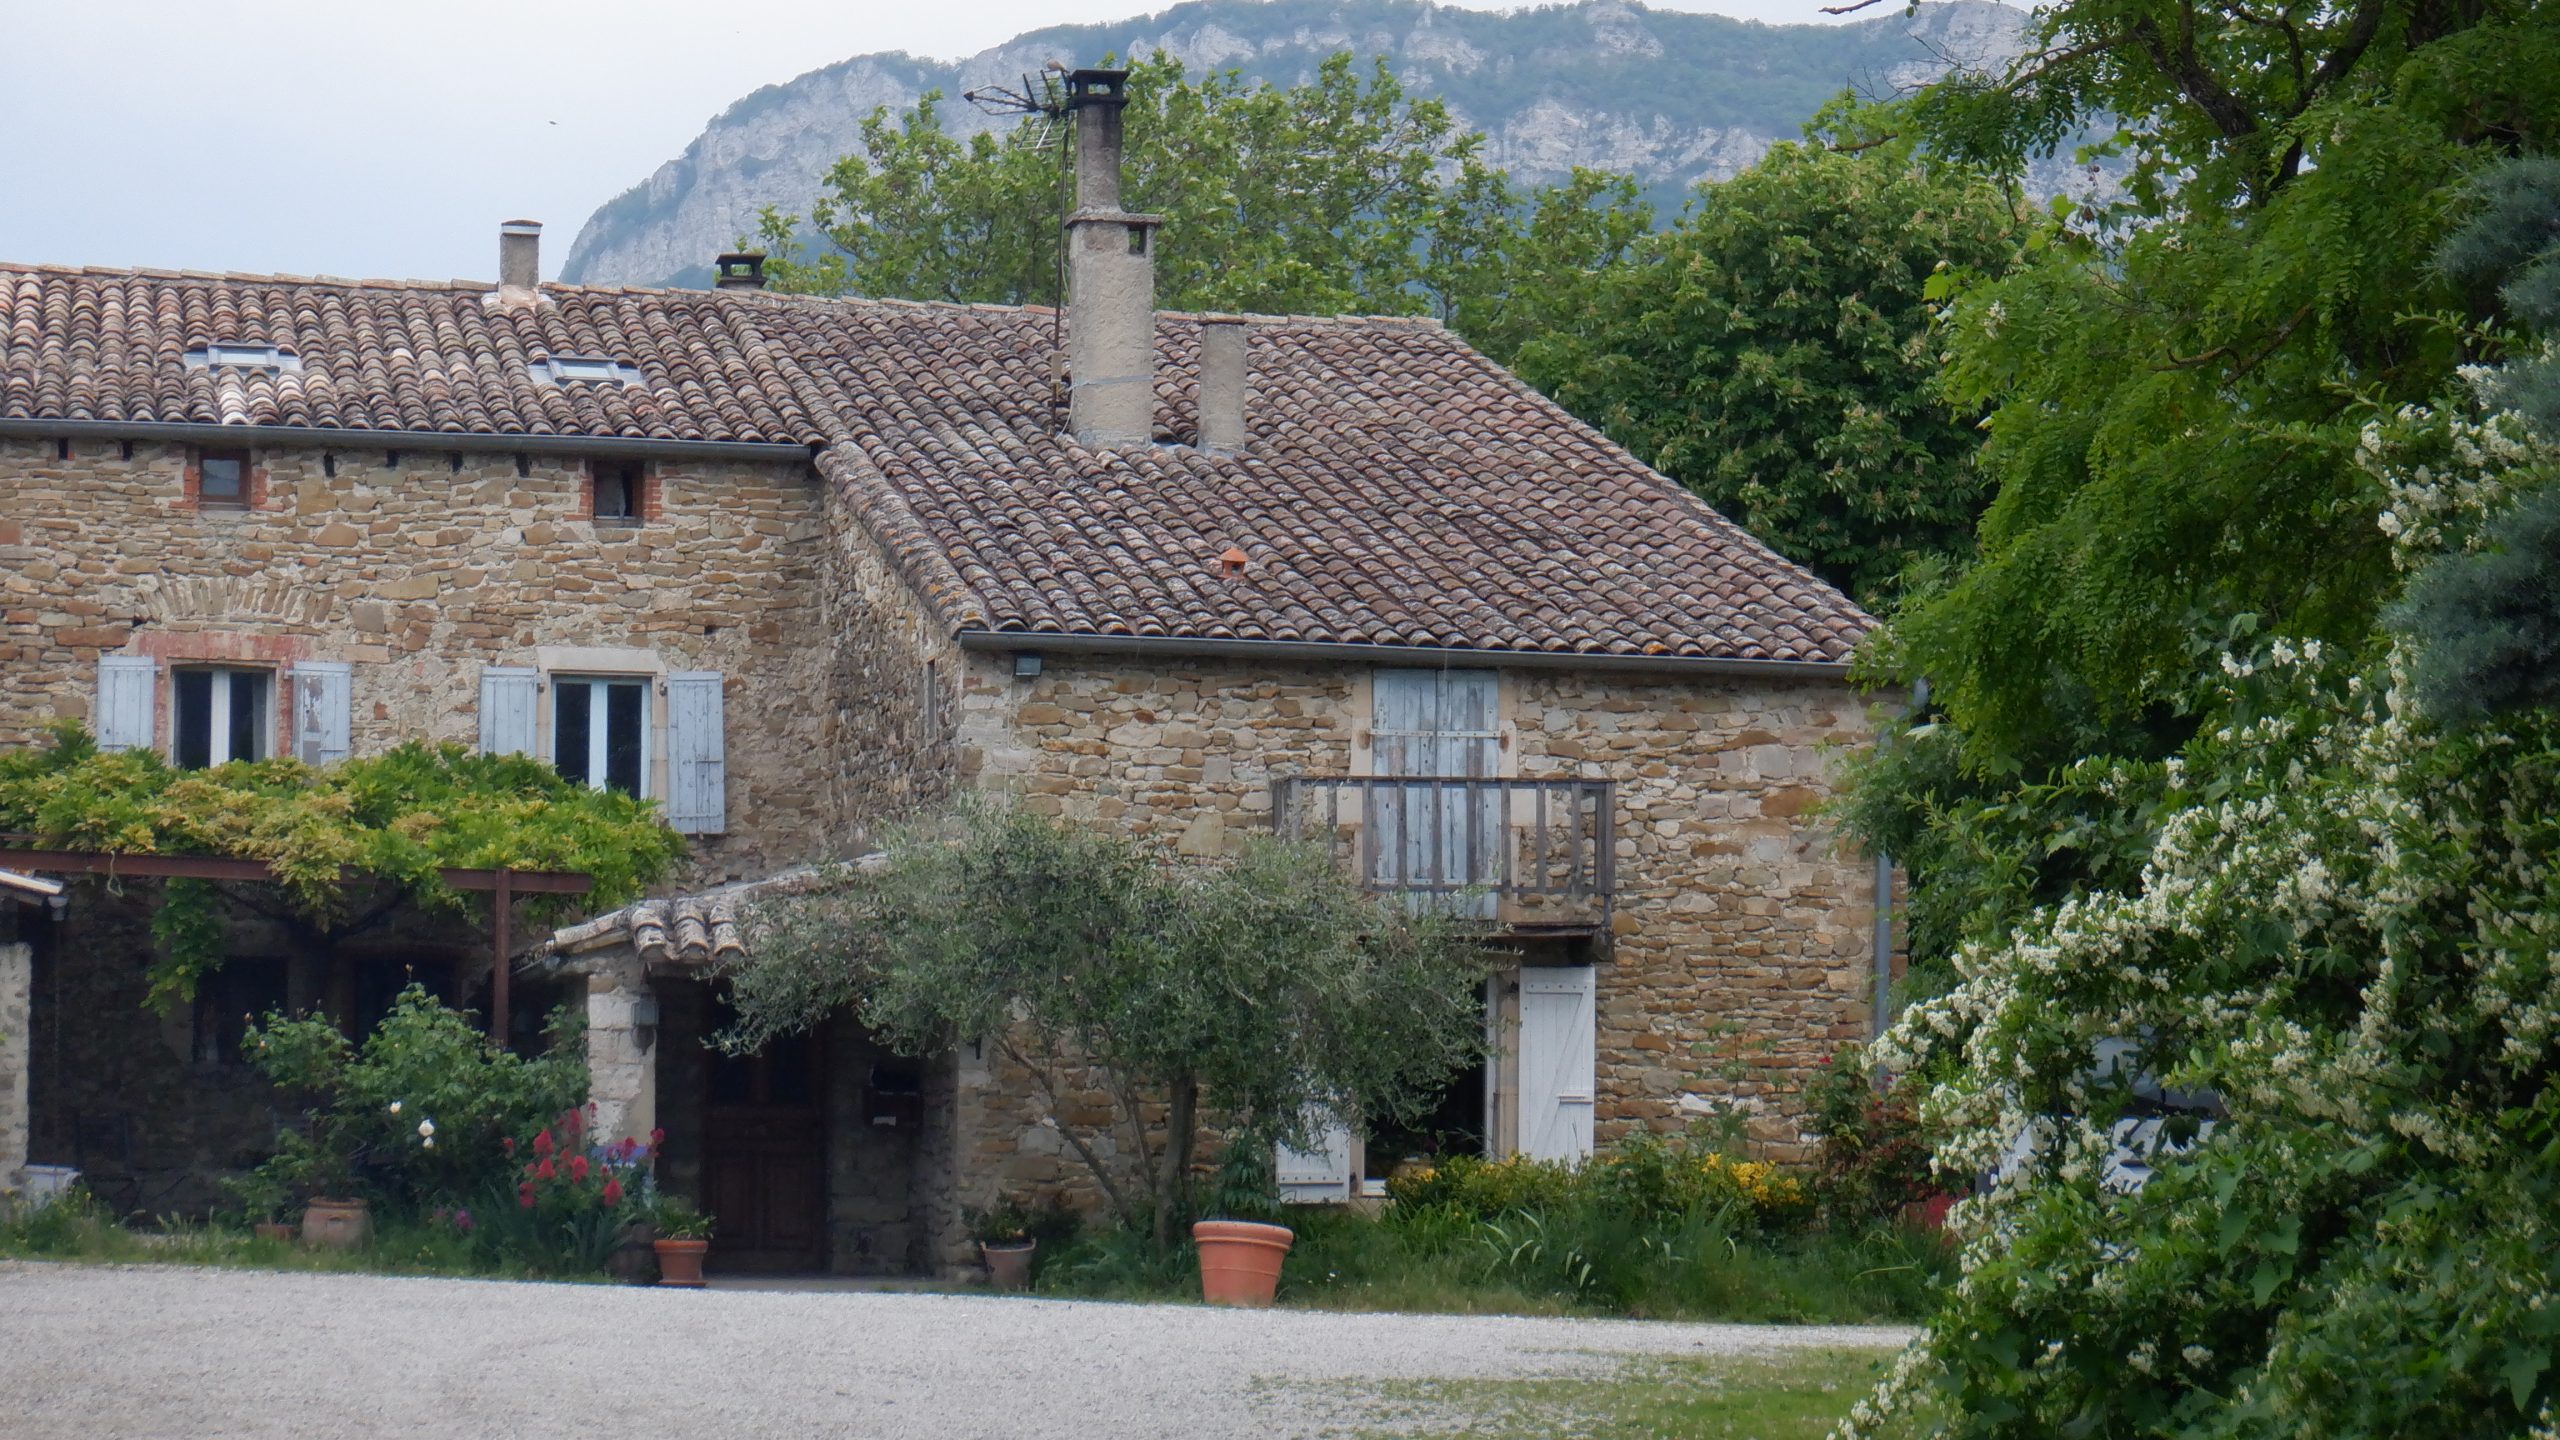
{"x": 594, "y": 369}
{"x": 230, "y": 355}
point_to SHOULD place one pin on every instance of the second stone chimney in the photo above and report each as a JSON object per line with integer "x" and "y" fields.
{"x": 1111, "y": 278}
{"x": 1222, "y": 379}
{"x": 520, "y": 262}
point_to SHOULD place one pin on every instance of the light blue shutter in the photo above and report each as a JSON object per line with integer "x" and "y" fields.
{"x": 1444, "y": 723}
{"x": 1319, "y": 1176}
{"x": 1559, "y": 1030}
{"x": 697, "y": 762}
{"x": 508, "y": 706}
{"x": 323, "y": 705}
{"x": 127, "y": 697}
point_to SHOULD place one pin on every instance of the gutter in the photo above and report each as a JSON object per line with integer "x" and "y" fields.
{"x": 1434, "y": 657}
{"x": 345, "y": 438}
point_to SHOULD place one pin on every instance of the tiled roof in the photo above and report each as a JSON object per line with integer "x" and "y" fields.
{"x": 686, "y": 931}
{"x": 1397, "y": 489}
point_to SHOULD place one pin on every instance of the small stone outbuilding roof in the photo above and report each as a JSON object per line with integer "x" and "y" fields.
{"x": 686, "y": 932}
{"x": 1396, "y": 487}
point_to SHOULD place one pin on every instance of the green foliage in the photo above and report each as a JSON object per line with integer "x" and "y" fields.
{"x": 2343, "y": 932}
{"x": 419, "y": 1114}
{"x": 398, "y": 818}
{"x": 1643, "y": 1179}
{"x": 1773, "y": 352}
{"x": 1264, "y": 989}
{"x": 559, "y": 1203}
{"x": 2176, "y": 385}
{"x": 1338, "y": 194}
{"x": 2485, "y": 625}
{"x": 1874, "y": 1154}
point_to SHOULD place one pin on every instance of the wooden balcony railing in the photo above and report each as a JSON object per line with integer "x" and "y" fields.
{"x": 1531, "y": 852}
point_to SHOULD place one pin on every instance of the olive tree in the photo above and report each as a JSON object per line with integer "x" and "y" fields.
{"x": 1255, "y": 992}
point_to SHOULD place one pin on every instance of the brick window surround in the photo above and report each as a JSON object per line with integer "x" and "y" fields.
{"x": 605, "y": 480}
{"x": 253, "y": 479}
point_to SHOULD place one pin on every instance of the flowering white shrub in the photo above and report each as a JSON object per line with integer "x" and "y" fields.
{"x": 2344, "y": 930}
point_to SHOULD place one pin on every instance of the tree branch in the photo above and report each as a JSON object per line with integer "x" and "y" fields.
{"x": 2187, "y": 71}
{"x": 1850, "y": 9}
{"x": 1092, "y": 1162}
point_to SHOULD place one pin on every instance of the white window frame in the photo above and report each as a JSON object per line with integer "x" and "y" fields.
{"x": 218, "y": 712}
{"x": 598, "y": 741}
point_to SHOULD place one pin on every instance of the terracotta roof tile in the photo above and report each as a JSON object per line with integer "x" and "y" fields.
{"x": 1397, "y": 488}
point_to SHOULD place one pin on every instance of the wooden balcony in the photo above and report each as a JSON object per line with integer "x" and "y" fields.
{"x": 1533, "y": 856}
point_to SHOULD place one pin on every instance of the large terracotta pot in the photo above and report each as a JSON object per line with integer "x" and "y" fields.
{"x": 336, "y": 1224}
{"x": 680, "y": 1262}
{"x": 1009, "y": 1266}
{"x": 1240, "y": 1260}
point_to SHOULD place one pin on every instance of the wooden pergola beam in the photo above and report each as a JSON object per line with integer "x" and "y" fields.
{"x": 503, "y": 885}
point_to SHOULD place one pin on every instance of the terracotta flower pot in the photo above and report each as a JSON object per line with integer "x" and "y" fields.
{"x": 272, "y": 1230}
{"x": 336, "y": 1224}
{"x": 1240, "y": 1260}
{"x": 1009, "y": 1266}
{"x": 680, "y": 1262}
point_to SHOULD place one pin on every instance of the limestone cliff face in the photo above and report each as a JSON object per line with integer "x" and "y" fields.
{"x": 1672, "y": 98}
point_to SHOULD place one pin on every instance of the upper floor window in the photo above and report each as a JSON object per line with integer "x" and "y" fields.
{"x": 220, "y": 715}
{"x": 223, "y": 478}
{"x": 600, "y": 732}
{"x": 621, "y": 492}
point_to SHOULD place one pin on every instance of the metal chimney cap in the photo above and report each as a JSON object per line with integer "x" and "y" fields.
{"x": 520, "y": 227}
{"x": 1097, "y": 87}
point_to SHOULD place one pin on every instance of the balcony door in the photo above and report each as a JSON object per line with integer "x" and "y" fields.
{"x": 1437, "y": 838}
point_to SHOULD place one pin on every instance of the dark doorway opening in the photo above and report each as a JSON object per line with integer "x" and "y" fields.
{"x": 764, "y": 1152}
{"x": 1455, "y": 1126}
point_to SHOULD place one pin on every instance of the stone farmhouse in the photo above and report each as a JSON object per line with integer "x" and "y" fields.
{"x": 789, "y": 566}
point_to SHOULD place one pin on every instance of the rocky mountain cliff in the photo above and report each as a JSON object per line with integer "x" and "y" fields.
{"x": 1673, "y": 98}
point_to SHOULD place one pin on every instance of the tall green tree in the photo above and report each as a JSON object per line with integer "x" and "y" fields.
{"x": 1772, "y": 352}
{"x": 1342, "y": 194}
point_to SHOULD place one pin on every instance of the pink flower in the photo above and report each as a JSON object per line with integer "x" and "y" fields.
{"x": 524, "y": 1195}
{"x": 578, "y": 1168}
{"x": 657, "y": 1138}
{"x": 544, "y": 1171}
{"x": 612, "y": 1191}
{"x": 542, "y": 1143}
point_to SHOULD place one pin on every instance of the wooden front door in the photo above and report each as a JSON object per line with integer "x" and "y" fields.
{"x": 764, "y": 1156}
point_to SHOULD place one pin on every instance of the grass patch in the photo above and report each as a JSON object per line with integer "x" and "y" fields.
{"x": 76, "y": 1228}
{"x": 1695, "y": 1269}
{"x": 1798, "y": 1396}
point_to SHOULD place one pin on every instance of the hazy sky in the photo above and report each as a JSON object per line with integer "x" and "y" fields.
{"x": 389, "y": 137}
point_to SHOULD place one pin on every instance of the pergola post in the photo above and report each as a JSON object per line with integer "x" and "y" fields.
{"x": 499, "y": 978}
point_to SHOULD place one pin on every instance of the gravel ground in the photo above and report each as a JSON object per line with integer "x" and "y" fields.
{"x": 103, "y": 1351}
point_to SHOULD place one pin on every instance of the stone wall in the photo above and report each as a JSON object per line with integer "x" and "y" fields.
{"x": 1736, "y": 959}
{"x": 419, "y": 569}
{"x": 15, "y": 960}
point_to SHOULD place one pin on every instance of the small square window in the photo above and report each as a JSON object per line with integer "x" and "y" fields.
{"x": 222, "y": 478}
{"x": 621, "y": 490}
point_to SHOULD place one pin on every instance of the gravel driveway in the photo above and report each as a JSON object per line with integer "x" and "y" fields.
{"x": 100, "y": 1351}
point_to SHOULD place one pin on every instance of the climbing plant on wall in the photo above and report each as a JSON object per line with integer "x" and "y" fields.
{"x": 394, "y": 819}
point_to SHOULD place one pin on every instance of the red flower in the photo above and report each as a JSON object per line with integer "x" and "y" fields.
{"x": 544, "y": 1171}
{"x": 524, "y": 1195}
{"x": 542, "y": 1143}
{"x": 657, "y": 1138}
{"x": 578, "y": 1168}
{"x": 510, "y": 1144}
{"x": 612, "y": 1191}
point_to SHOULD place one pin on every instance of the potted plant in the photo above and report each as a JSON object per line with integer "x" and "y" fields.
{"x": 684, "y": 1234}
{"x": 1005, "y": 1242}
{"x": 263, "y": 1199}
{"x": 1241, "y": 1249}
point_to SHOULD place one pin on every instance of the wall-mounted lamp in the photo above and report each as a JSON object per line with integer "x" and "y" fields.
{"x": 644, "y": 1022}
{"x": 1026, "y": 664}
{"x": 58, "y": 906}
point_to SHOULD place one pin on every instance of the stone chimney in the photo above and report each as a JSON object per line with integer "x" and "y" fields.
{"x": 519, "y": 262}
{"x": 740, "y": 270}
{"x": 1222, "y": 377}
{"x": 1111, "y": 278}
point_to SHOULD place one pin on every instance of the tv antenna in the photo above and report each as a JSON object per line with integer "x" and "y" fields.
{"x": 1042, "y": 106}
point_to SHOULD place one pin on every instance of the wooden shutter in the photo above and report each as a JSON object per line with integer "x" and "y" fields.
{"x": 697, "y": 766}
{"x": 323, "y": 706}
{"x": 1443, "y": 723}
{"x": 507, "y": 709}
{"x": 128, "y": 695}
{"x": 1559, "y": 1026}
{"x": 1322, "y": 1175}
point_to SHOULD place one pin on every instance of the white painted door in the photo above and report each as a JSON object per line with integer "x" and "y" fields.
{"x": 1435, "y": 839}
{"x": 1559, "y": 1030}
